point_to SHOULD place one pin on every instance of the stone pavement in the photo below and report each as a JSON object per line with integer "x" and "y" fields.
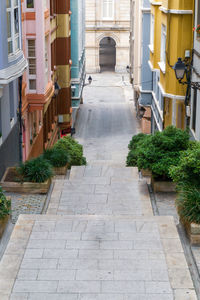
{"x": 101, "y": 190}
{"x": 113, "y": 248}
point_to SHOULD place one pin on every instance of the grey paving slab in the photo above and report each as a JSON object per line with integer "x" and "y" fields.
{"x": 98, "y": 263}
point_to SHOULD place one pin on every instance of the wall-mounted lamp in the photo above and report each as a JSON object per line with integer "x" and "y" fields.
{"x": 181, "y": 69}
{"x": 56, "y": 88}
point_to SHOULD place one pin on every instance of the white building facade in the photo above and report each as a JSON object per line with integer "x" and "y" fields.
{"x": 107, "y": 35}
{"x": 195, "y": 93}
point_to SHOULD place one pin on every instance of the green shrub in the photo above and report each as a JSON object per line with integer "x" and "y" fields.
{"x": 5, "y": 205}
{"x": 74, "y": 149}
{"x": 35, "y": 170}
{"x": 160, "y": 151}
{"x": 57, "y": 157}
{"x": 135, "y": 139}
{"x": 188, "y": 169}
{"x": 188, "y": 204}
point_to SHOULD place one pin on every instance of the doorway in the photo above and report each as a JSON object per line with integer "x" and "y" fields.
{"x": 107, "y": 54}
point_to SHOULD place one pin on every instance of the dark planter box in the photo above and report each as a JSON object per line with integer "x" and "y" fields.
{"x": 146, "y": 172}
{"x": 25, "y": 187}
{"x": 193, "y": 232}
{"x": 61, "y": 170}
{"x": 3, "y": 224}
{"x": 163, "y": 186}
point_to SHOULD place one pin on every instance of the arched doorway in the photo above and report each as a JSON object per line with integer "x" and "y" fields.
{"x": 107, "y": 54}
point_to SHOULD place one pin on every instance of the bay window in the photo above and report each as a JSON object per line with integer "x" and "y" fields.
{"x": 13, "y": 38}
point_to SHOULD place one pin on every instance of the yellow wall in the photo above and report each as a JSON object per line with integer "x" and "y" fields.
{"x": 179, "y": 38}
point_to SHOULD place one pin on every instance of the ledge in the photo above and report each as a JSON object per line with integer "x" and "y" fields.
{"x": 151, "y": 48}
{"x": 162, "y": 66}
{"x": 13, "y": 72}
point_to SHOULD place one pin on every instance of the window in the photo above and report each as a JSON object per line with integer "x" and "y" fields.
{"x": 163, "y": 49}
{"x": 12, "y": 10}
{"x": 194, "y": 110}
{"x": 30, "y": 3}
{"x": 108, "y": 9}
{"x": 46, "y": 60}
{"x": 152, "y": 32}
{"x": 32, "y": 64}
{"x": 163, "y": 44}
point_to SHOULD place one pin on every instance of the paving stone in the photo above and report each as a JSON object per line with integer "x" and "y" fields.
{"x": 56, "y": 275}
{"x": 35, "y": 286}
{"x": 27, "y": 274}
{"x": 79, "y": 286}
{"x": 158, "y": 287}
{"x": 19, "y": 296}
{"x": 184, "y": 294}
{"x": 39, "y": 263}
{"x": 94, "y": 275}
{"x": 77, "y": 264}
{"x": 121, "y": 286}
{"x": 52, "y": 296}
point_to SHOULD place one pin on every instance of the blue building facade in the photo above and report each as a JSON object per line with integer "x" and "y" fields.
{"x": 12, "y": 66}
{"x": 77, "y": 53}
{"x": 146, "y": 75}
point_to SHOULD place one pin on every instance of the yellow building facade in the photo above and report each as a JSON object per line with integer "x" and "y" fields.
{"x": 171, "y": 38}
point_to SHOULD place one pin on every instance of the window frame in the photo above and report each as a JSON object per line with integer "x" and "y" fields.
{"x": 162, "y": 63}
{"x": 31, "y": 76}
{"x": 30, "y": 8}
{"x": 107, "y": 2}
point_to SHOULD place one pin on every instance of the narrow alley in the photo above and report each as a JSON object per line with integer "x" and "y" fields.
{"x": 99, "y": 239}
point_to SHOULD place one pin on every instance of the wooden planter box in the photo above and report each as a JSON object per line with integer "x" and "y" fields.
{"x": 3, "y": 224}
{"x": 25, "y": 187}
{"x": 163, "y": 186}
{"x": 61, "y": 170}
{"x": 193, "y": 232}
{"x": 146, "y": 172}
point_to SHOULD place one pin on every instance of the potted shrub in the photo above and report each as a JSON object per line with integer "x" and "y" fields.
{"x": 33, "y": 176}
{"x": 160, "y": 151}
{"x": 5, "y": 205}
{"x": 134, "y": 148}
{"x": 74, "y": 149}
{"x": 188, "y": 207}
{"x": 59, "y": 158}
{"x": 187, "y": 177}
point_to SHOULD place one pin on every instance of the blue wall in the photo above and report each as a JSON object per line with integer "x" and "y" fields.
{"x": 77, "y": 50}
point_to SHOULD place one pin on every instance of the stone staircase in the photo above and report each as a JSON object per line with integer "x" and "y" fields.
{"x": 98, "y": 241}
{"x": 101, "y": 190}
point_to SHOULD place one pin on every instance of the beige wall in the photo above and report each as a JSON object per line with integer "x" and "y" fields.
{"x": 96, "y": 29}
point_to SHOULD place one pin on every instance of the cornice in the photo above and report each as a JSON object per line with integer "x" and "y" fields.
{"x": 176, "y": 11}
{"x": 155, "y": 3}
{"x": 13, "y": 72}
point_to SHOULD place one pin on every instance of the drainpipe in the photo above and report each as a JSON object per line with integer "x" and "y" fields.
{"x": 20, "y": 118}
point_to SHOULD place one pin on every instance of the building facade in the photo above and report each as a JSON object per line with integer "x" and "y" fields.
{"x": 171, "y": 37}
{"x": 195, "y": 93}
{"x": 107, "y": 35}
{"x": 46, "y": 43}
{"x": 77, "y": 53}
{"x": 140, "y": 72}
{"x": 12, "y": 66}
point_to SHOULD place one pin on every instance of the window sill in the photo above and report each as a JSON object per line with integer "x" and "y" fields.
{"x": 151, "y": 48}
{"x": 14, "y": 56}
{"x": 162, "y": 66}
